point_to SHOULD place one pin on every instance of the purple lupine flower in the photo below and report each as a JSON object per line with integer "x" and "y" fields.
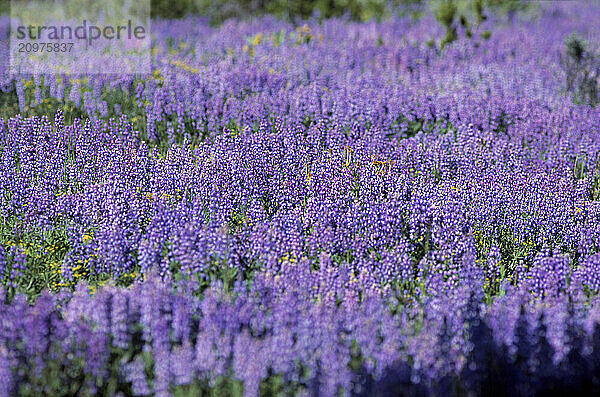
{"x": 135, "y": 373}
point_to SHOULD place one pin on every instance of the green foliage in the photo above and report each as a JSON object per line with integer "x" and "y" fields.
{"x": 9, "y": 104}
{"x": 576, "y": 47}
{"x": 451, "y": 14}
{"x": 168, "y": 9}
{"x": 217, "y": 11}
{"x": 470, "y": 14}
{"x": 581, "y": 66}
{"x": 509, "y": 7}
{"x": 66, "y": 374}
{"x": 44, "y": 253}
{"x": 292, "y": 10}
{"x": 478, "y": 8}
{"x": 446, "y": 13}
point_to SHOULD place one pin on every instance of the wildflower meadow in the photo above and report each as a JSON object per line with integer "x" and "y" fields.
{"x": 359, "y": 203}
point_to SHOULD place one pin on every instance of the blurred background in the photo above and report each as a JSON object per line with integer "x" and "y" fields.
{"x": 295, "y": 10}
{"x": 217, "y": 11}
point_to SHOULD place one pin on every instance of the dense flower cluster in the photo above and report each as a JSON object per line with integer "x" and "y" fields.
{"x": 152, "y": 339}
{"x": 336, "y": 206}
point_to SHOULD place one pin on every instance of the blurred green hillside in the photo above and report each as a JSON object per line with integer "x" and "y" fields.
{"x": 219, "y": 10}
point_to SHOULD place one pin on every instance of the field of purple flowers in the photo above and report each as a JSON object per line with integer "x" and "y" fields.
{"x": 328, "y": 209}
